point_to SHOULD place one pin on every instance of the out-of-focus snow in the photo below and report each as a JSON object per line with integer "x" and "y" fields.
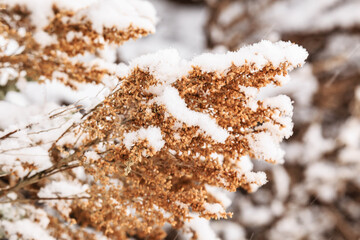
{"x": 202, "y": 228}
{"x": 180, "y": 26}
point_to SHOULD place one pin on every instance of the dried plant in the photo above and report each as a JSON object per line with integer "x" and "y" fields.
{"x": 161, "y": 147}
{"x": 49, "y": 35}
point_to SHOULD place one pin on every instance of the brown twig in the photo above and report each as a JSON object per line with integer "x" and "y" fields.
{"x": 43, "y": 199}
{"x": 28, "y": 180}
{"x": 341, "y": 224}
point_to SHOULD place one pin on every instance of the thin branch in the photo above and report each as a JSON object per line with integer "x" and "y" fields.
{"x": 17, "y": 130}
{"x": 23, "y": 147}
{"x": 26, "y": 181}
{"x": 67, "y": 108}
{"x": 43, "y": 199}
{"x": 59, "y": 166}
{"x": 9, "y": 134}
{"x": 345, "y": 229}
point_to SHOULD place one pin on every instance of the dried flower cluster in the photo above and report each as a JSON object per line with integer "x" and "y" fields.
{"x": 48, "y": 37}
{"x": 161, "y": 147}
{"x": 166, "y": 140}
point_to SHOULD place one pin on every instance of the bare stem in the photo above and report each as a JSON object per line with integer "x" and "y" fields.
{"x": 43, "y": 199}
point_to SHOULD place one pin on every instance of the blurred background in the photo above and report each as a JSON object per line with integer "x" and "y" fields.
{"x": 316, "y": 193}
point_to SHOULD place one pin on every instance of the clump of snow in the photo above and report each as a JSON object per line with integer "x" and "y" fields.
{"x": 120, "y": 14}
{"x": 44, "y": 38}
{"x": 214, "y": 208}
{"x": 301, "y": 88}
{"x": 221, "y": 195}
{"x": 245, "y": 164}
{"x": 177, "y": 107}
{"x": 315, "y": 141}
{"x": 258, "y": 178}
{"x": 350, "y": 133}
{"x": 251, "y": 100}
{"x": 27, "y": 228}
{"x": 312, "y": 149}
{"x": 309, "y": 16}
{"x": 152, "y": 134}
{"x": 92, "y": 155}
{"x": 23, "y": 219}
{"x": 283, "y": 111}
{"x": 7, "y": 74}
{"x": 228, "y": 230}
{"x": 326, "y": 174}
{"x": 264, "y": 146}
{"x": 280, "y": 102}
{"x": 16, "y": 98}
{"x": 349, "y": 155}
{"x": 80, "y": 173}
{"x": 10, "y": 47}
{"x": 258, "y": 54}
{"x": 63, "y": 189}
{"x": 357, "y": 94}
{"x": 254, "y": 215}
{"x": 298, "y": 223}
{"x": 281, "y": 181}
{"x": 166, "y": 65}
{"x": 202, "y": 228}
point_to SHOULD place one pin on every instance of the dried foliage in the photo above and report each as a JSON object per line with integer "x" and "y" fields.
{"x": 156, "y": 150}
{"x": 162, "y": 186}
{"x": 48, "y": 54}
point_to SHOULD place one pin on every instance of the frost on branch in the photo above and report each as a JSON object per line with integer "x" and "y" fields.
{"x": 44, "y": 38}
{"x": 173, "y": 128}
